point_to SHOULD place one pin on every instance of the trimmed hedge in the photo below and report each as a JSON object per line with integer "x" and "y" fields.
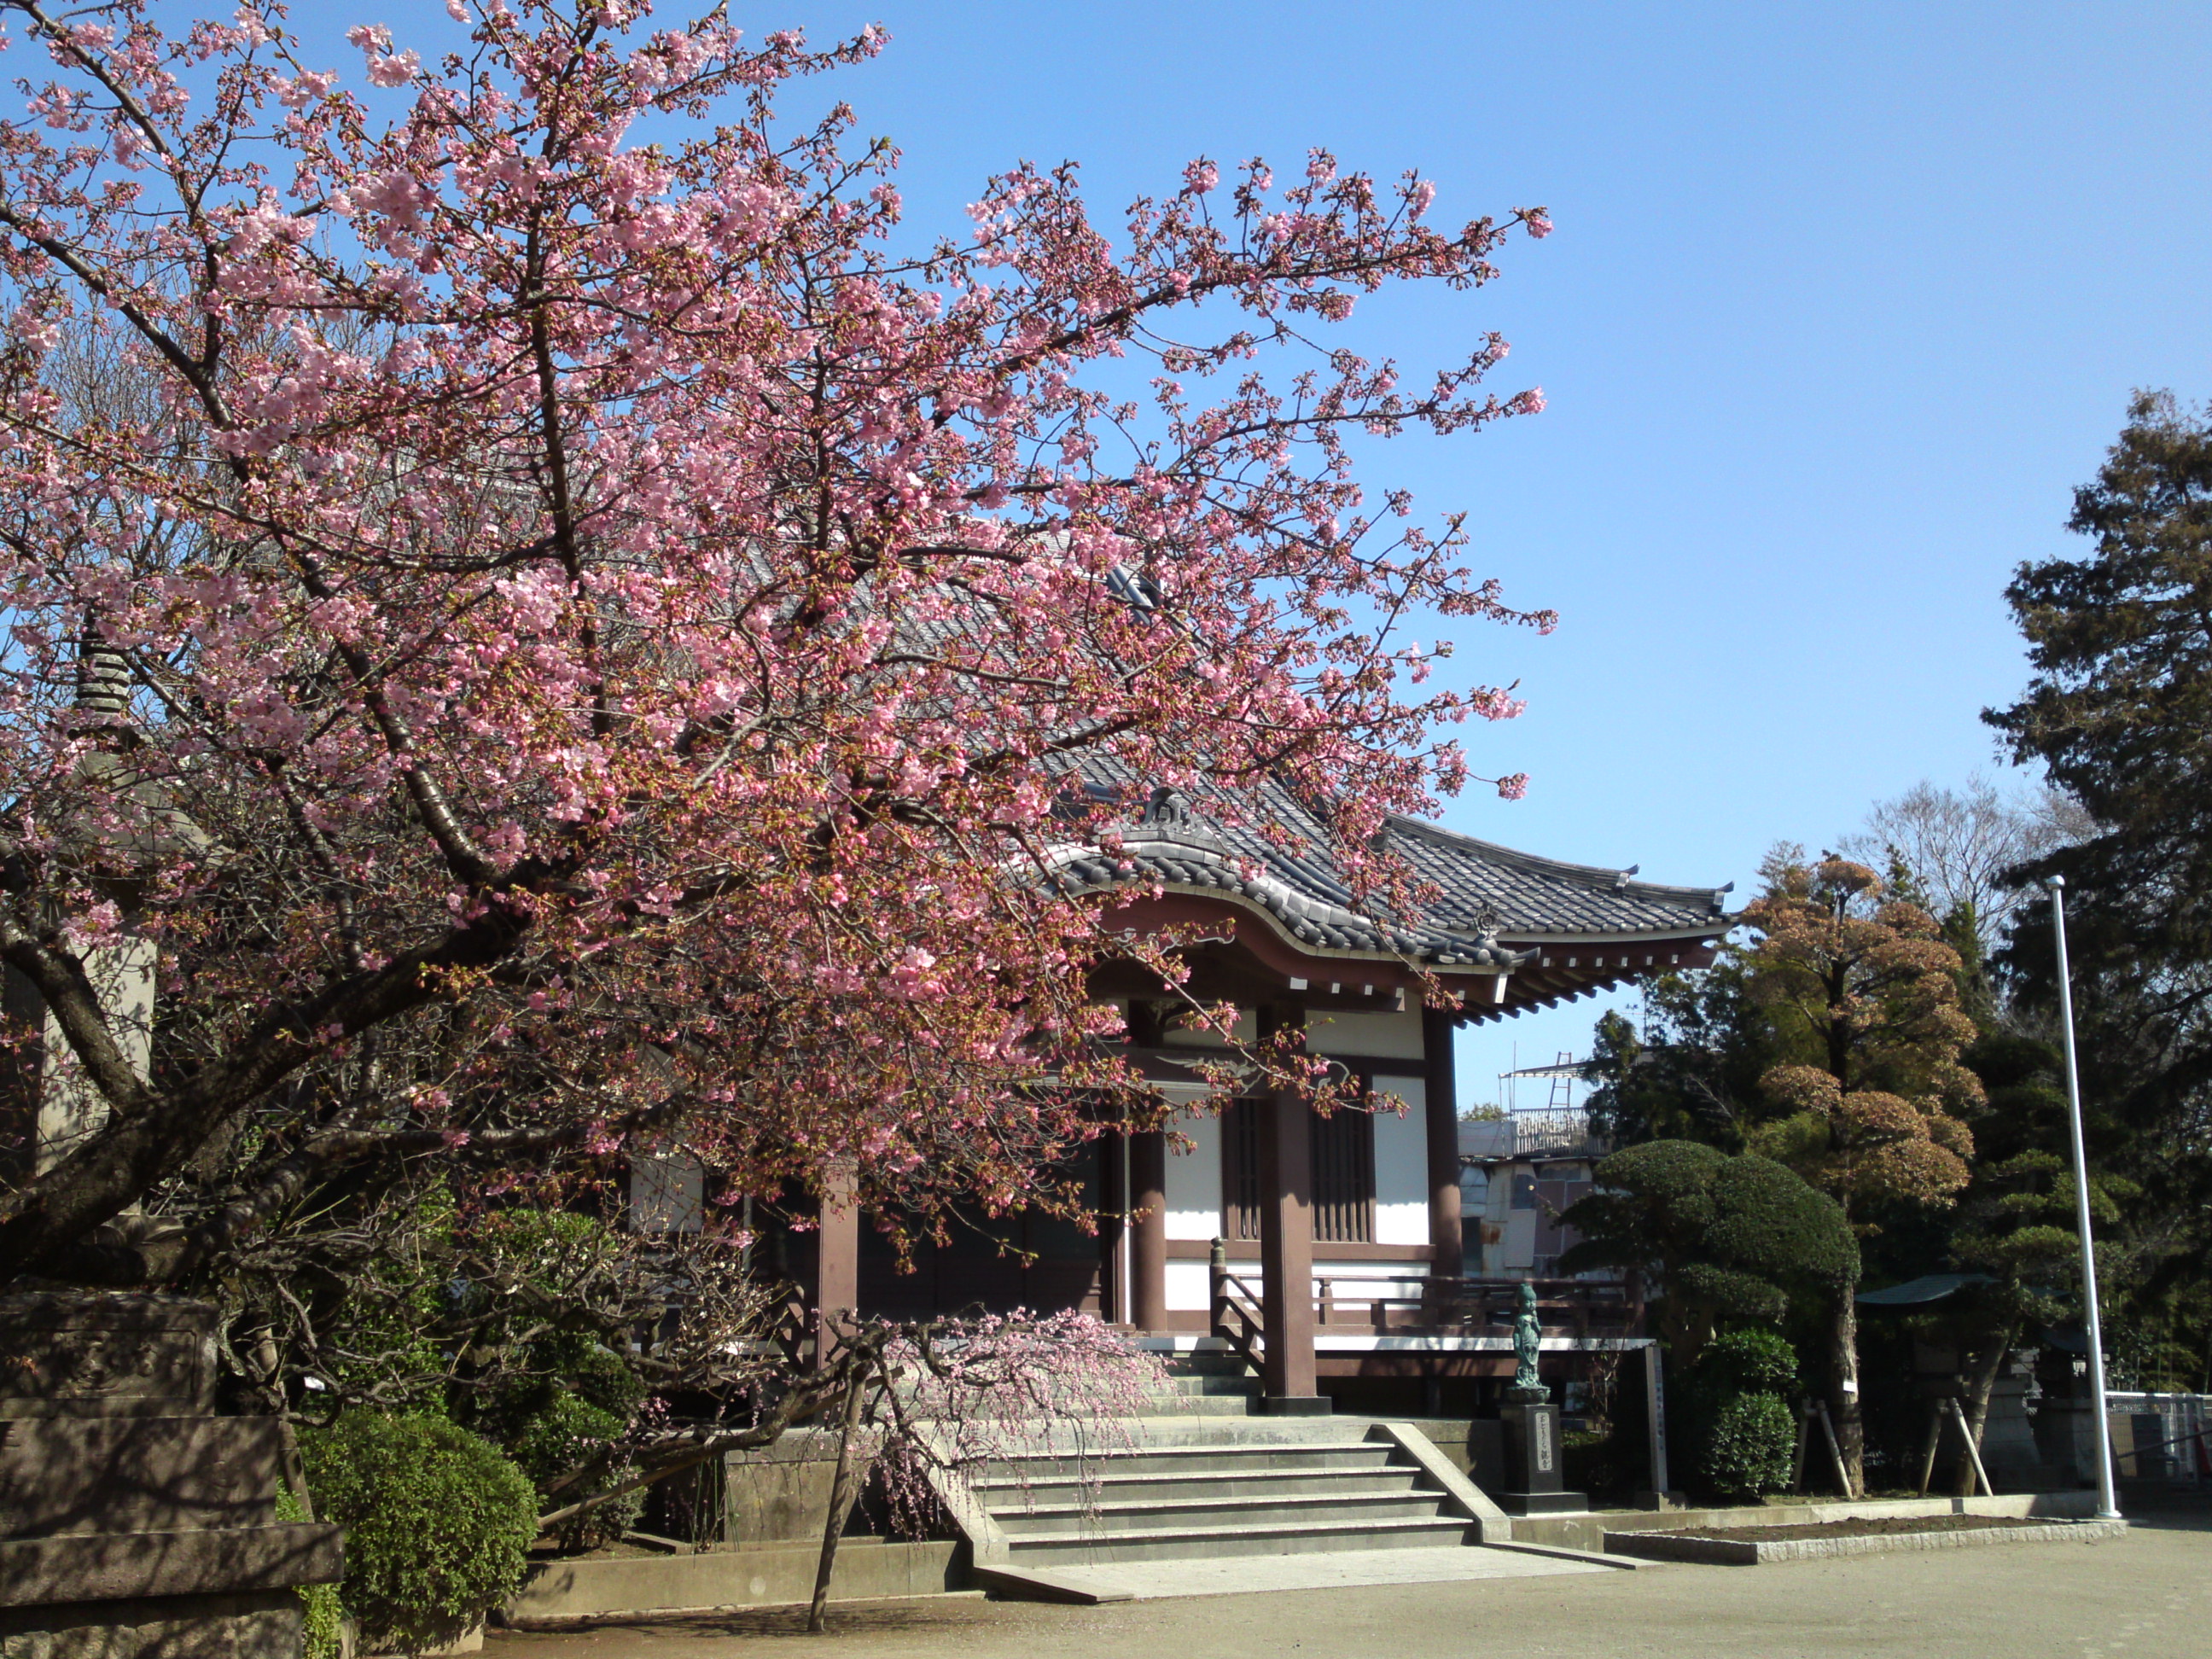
{"x": 437, "y": 1521}
{"x": 1747, "y": 1433}
{"x": 1748, "y": 1445}
{"x": 1748, "y": 1361}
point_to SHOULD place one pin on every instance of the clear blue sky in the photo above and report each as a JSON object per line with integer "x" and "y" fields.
{"x": 1843, "y": 302}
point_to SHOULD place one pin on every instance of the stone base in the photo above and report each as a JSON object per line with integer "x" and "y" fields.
{"x": 1532, "y": 1448}
{"x": 1543, "y": 1503}
{"x": 1296, "y": 1405}
{"x": 266, "y": 1624}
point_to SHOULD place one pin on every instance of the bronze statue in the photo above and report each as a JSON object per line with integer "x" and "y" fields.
{"x": 1527, "y": 1341}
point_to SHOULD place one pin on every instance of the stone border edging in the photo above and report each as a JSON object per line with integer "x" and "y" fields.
{"x": 1745, "y": 1552}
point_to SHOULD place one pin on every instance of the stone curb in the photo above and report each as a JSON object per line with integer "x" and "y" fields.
{"x": 1744, "y": 1552}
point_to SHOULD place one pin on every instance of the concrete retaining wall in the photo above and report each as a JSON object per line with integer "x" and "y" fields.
{"x": 598, "y": 1587}
{"x": 1748, "y": 1552}
{"x": 1588, "y": 1532}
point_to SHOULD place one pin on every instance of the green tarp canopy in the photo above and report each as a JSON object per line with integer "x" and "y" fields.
{"x": 1916, "y": 1292}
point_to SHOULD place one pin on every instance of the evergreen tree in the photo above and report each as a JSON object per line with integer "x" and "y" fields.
{"x": 2119, "y": 712}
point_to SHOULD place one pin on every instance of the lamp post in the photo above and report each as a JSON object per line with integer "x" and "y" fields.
{"x": 2107, "y": 1506}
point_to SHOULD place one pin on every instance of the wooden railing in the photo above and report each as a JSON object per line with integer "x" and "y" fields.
{"x": 1234, "y": 1312}
{"x": 1581, "y": 1307}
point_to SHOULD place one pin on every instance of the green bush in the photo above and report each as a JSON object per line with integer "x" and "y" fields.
{"x": 438, "y": 1523}
{"x": 1749, "y": 1441}
{"x": 323, "y": 1639}
{"x": 567, "y": 1435}
{"x": 1747, "y": 1362}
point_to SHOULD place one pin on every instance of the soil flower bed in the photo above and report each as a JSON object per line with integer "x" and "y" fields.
{"x": 1866, "y": 1525}
{"x": 1746, "y": 1547}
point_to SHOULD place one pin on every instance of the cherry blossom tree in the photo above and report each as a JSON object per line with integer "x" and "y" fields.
{"x": 561, "y": 629}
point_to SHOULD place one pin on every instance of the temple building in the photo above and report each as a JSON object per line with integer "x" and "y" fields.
{"x": 1333, "y": 1249}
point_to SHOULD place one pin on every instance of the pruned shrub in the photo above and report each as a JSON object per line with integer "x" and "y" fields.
{"x": 1748, "y": 1445}
{"x": 437, "y": 1523}
{"x": 1748, "y": 1361}
{"x": 1746, "y": 1433}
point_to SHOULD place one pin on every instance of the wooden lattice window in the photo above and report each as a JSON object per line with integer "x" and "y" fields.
{"x": 1342, "y": 1175}
{"x": 1344, "y": 1178}
{"x": 1240, "y": 1169}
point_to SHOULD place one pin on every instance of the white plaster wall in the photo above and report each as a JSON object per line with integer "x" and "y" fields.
{"x": 1351, "y": 1281}
{"x": 1194, "y": 1185}
{"x": 1190, "y": 1285}
{"x": 1396, "y": 1036}
{"x": 1401, "y": 1167}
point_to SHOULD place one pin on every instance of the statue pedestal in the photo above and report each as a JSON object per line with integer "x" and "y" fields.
{"x": 1532, "y": 1463}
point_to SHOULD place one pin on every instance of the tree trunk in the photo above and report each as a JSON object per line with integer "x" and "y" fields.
{"x": 1844, "y": 1390}
{"x": 842, "y": 1491}
{"x": 1981, "y": 1383}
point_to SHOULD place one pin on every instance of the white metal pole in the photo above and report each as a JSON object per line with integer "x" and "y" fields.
{"x": 2107, "y": 1506}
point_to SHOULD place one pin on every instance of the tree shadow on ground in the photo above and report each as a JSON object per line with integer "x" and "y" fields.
{"x": 846, "y": 1619}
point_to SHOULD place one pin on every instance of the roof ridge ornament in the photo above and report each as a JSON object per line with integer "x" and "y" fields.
{"x": 1170, "y": 814}
{"x": 1168, "y": 807}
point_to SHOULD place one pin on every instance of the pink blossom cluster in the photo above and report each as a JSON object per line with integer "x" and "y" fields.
{"x": 602, "y": 621}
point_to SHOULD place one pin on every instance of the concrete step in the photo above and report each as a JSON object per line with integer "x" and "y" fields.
{"x": 1272, "y": 1537}
{"x": 1200, "y": 1405}
{"x": 1140, "y": 1517}
{"x": 1207, "y": 1364}
{"x": 1215, "y": 1382}
{"x": 1183, "y": 1462}
{"x": 1139, "y": 1488}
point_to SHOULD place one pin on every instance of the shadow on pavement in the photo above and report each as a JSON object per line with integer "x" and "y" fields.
{"x": 845, "y": 1619}
{"x": 2164, "y": 1507}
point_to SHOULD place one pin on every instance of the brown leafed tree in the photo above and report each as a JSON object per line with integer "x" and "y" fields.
{"x": 1863, "y": 994}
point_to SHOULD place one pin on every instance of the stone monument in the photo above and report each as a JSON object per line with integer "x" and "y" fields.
{"x": 1533, "y": 1461}
{"x": 134, "y": 1522}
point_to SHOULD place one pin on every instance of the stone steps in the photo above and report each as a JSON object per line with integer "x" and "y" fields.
{"x": 1211, "y": 1543}
{"x": 1127, "y": 1516}
{"x": 1181, "y": 1488}
{"x": 1054, "y": 1489}
{"x": 1185, "y": 1461}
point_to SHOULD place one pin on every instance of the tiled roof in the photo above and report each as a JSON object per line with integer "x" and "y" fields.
{"x": 1485, "y": 899}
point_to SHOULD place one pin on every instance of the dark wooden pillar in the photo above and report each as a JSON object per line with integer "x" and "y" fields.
{"x": 1113, "y": 1222}
{"x": 1287, "y": 1248}
{"x": 1447, "y": 1248}
{"x": 837, "y": 1260}
{"x": 1148, "y": 1230}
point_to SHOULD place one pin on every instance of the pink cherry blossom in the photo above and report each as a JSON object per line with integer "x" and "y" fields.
{"x": 586, "y": 629}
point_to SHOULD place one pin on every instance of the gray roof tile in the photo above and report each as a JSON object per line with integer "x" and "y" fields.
{"x": 1484, "y": 899}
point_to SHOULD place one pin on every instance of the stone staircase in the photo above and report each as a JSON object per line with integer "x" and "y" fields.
{"x": 1257, "y": 1487}
{"x": 1201, "y": 1485}
{"x": 1209, "y": 1379}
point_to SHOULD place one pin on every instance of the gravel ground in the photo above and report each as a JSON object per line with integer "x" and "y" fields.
{"x": 2147, "y": 1595}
